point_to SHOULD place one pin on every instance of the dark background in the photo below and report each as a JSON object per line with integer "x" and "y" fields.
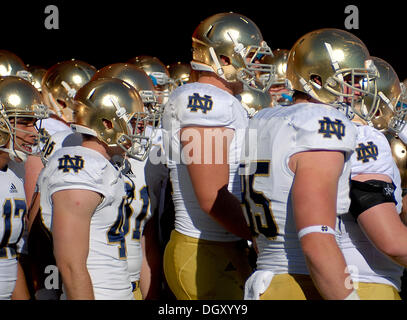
{"x": 104, "y": 32}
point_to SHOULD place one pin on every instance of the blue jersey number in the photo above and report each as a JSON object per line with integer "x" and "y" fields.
{"x": 255, "y": 204}
{"x": 18, "y": 210}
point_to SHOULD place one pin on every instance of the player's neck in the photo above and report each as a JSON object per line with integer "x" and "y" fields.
{"x": 96, "y": 145}
{"x": 4, "y": 160}
{"x": 217, "y": 82}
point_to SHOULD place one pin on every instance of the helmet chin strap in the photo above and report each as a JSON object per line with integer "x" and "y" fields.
{"x": 55, "y": 105}
{"x": 15, "y": 155}
{"x": 219, "y": 69}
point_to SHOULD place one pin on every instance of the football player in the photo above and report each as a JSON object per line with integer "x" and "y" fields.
{"x": 21, "y": 106}
{"x": 144, "y": 184}
{"x": 375, "y": 201}
{"x": 84, "y": 206}
{"x": 58, "y": 87}
{"x": 297, "y": 177}
{"x": 398, "y": 130}
{"x": 205, "y": 257}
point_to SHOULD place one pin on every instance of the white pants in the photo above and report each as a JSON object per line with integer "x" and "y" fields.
{"x": 8, "y": 277}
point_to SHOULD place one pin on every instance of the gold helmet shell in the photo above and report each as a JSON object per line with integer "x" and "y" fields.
{"x": 11, "y": 64}
{"x": 389, "y": 91}
{"x": 37, "y": 74}
{"x": 158, "y": 73}
{"x": 114, "y": 101}
{"x": 279, "y": 61}
{"x": 254, "y": 101}
{"x": 333, "y": 66}
{"x": 61, "y": 82}
{"x": 399, "y": 152}
{"x": 180, "y": 73}
{"x": 18, "y": 99}
{"x": 133, "y": 75}
{"x": 236, "y": 39}
{"x": 154, "y": 68}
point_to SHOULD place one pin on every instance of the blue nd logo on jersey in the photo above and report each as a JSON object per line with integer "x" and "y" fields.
{"x": 329, "y": 128}
{"x": 67, "y": 163}
{"x": 366, "y": 152}
{"x": 196, "y": 102}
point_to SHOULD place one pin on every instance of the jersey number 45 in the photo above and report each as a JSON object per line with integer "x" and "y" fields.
{"x": 255, "y": 204}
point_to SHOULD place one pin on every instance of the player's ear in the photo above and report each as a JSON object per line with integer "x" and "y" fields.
{"x": 108, "y": 124}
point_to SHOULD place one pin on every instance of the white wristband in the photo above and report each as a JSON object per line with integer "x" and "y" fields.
{"x": 353, "y": 296}
{"x": 318, "y": 229}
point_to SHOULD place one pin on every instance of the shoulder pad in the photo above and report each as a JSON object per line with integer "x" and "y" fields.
{"x": 76, "y": 167}
{"x": 322, "y": 127}
{"x": 372, "y": 153}
{"x": 205, "y": 105}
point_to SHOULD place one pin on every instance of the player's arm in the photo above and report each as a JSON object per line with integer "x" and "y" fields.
{"x": 33, "y": 210}
{"x": 403, "y": 214}
{"x": 314, "y": 195}
{"x": 33, "y": 167}
{"x": 383, "y": 226}
{"x": 150, "y": 274}
{"x": 21, "y": 291}
{"x": 72, "y": 213}
{"x": 209, "y": 173}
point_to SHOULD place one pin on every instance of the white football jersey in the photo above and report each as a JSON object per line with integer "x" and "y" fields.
{"x": 82, "y": 168}
{"x": 199, "y": 104}
{"x": 365, "y": 262}
{"x": 143, "y": 187}
{"x": 13, "y": 210}
{"x": 267, "y": 181}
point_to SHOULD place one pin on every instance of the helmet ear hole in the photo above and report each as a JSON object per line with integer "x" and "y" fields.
{"x": 225, "y": 60}
{"x": 108, "y": 124}
{"x": 317, "y": 79}
{"x": 62, "y": 103}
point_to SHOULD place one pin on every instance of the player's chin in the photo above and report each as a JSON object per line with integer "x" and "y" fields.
{"x": 25, "y": 147}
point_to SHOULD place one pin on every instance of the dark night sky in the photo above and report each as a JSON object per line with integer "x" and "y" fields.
{"x": 104, "y": 32}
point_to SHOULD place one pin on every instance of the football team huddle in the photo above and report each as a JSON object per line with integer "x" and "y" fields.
{"x": 249, "y": 172}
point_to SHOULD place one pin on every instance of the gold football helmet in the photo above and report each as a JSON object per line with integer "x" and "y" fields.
{"x": 138, "y": 79}
{"x": 399, "y": 152}
{"x": 389, "y": 91}
{"x": 37, "y": 74}
{"x": 11, "y": 64}
{"x": 134, "y": 76}
{"x": 158, "y": 73}
{"x": 253, "y": 101}
{"x": 279, "y": 92}
{"x": 61, "y": 82}
{"x": 19, "y": 99}
{"x": 279, "y": 62}
{"x": 403, "y": 96}
{"x": 236, "y": 39}
{"x": 397, "y": 123}
{"x": 334, "y": 67}
{"x": 180, "y": 73}
{"x": 112, "y": 110}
